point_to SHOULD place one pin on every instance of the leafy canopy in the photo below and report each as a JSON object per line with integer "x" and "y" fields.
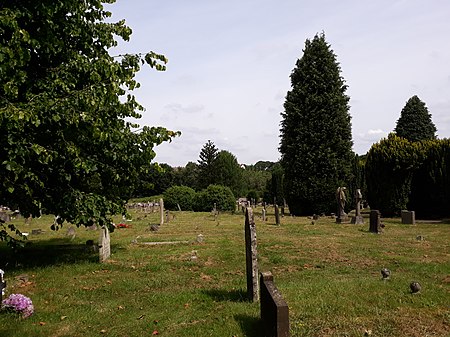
{"x": 68, "y": 147}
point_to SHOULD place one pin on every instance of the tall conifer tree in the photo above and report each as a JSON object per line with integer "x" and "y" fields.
{"x": 415, "y": 122}
{"x": 316, "y": 141}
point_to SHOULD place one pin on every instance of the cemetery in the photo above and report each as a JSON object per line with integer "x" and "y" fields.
{"x": 296, "y": 278}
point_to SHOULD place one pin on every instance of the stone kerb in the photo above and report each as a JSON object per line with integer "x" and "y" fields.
{"x": 274, "y": 309}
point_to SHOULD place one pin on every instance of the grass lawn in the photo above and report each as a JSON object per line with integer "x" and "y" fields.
{"x": 329, "y": 275}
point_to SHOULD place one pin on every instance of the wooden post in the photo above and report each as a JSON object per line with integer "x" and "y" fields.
{"x": 251, "y": 256}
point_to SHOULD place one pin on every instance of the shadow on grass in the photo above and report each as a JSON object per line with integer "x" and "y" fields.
{"x": 220, "y": 295}
{"x": 251, "y": 326}
{"x": 47, "y": 253}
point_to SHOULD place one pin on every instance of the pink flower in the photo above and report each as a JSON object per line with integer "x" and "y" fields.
{"x": 20, "y": 304}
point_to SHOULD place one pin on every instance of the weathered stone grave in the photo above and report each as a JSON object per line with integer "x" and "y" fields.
{"x": 161, "y": 211}
{"x": 341, "y": 199}
{"x": 277, "y": 215}
{"x": 274, "y": 309}
{"x": 375, "y": 221}
{"x": 2, "y": 285}
{"x": 358, "y": 218}
{"x": 263, "y": 214}
{"x": 71, "y": 233}
{"x": 408, "y": 217}
{"x": 4, "y": 216}
{"x": 251, "y": 256}
{"x": 104, "y": 247}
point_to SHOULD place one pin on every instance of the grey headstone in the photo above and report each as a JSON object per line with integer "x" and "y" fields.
{"x": 375, "y": 221}
{"x": 71, "y": 232}
{"x": 277, "y": 215}
{"x": 161, "y": 211}
{"x": 104, "y": 246}
{"x": 408, "y": 217}
{"x": 251, "y": 255}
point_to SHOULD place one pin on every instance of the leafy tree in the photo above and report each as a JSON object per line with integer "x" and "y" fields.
{"x": 208, "y": 155}
{"x": 187, "y": 176}
{"x": 415, "y": 122}
{"x": 228, "y": 172}
{"x": 215, "y": 194}
{"x": 255, "y": 179}
{"x": 316, "y": 138}
{"x": 67, "y": 145}
{"x": 179, "y": 195}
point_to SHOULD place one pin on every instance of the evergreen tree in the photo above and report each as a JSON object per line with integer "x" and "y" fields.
{"x": 228, "y": 172}
{"x": 415, "y": 122}
{"x": 208, "y": 155}
{"x": 316, "y": 138}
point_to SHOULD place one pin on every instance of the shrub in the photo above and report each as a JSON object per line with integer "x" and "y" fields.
{"x": 179, "y": 195}
{"x": 215, "y": 194}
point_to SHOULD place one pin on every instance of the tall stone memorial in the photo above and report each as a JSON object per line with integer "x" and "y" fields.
{"x": 104, "y": 247}
{"x": 161, "y": 211}
{"x": 251, "y": 256}
{"x": 358, "y": 218}
{"x": 277, "y": 215}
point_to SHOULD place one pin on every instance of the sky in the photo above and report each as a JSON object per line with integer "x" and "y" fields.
{"x": 230, "y": 62}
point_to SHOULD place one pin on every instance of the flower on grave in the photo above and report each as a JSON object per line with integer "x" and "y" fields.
{"x": 18, "y": 303}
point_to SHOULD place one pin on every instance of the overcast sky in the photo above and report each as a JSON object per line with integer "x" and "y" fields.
{"x": 230, "y": 61}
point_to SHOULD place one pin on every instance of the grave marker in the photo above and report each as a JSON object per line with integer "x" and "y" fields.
{"x": 274, "y": 309}
{"x": 251, "y": 256}
{"x": 375, "y": 221}
{"x": 277, "y": 215}
{"x": 2, "y": 285}
{"x": 408, "y": 217}
{"x": 161, "y": 211}
{"x": 358, "y": 218}
{"x": 104, "y": 248}
{"x": 263, "y": 214}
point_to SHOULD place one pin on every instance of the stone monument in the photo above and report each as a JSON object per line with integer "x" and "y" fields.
{"x": 358, "y": 218}
{"x": 251, "y": 256}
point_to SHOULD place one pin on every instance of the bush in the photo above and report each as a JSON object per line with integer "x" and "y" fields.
{"x": 179, "y": 195}
{"x": 253, "y": 195}
{"x": 215, "y": 194}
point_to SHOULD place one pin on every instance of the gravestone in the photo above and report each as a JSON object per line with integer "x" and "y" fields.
{"x": 375, "y": 221}
{"x": 36, "y": 231}
{"x": 358, "y": 218}
{"x": 277, "y": 215}
{"x": 71, "y": 232}
{"x": 274, "y": 309}
{"x": 167, "y": 216}
{"x": 6, "y": 217}
{"x": 161, "y": 211}
{"x": 341, "y": 199}
{"x": 104, "y": 247}
{"x": 2, "y": 285}
{"x": 263, "y": 214}
{"x": 251, "y": 256}
{"x": 408, "y": 217}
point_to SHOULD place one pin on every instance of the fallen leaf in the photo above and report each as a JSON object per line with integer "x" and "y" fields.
{"x": 155, "y": 321}
{"x": 63, "y": 318}
{"x": 141, "y": 317}
{"x": 103, "y": 331}
{"x": 120, "y": 307}
{"x": 42, "y": 323}
{"x": 186, "y": 305}
{"x": 155, "y": 332}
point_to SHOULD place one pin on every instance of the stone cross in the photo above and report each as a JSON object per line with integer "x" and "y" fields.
{"x": 358, "y": 218}
{"x": 375, "y": 221}
{"x": 277, "y": 215}
{"x": 251, "y": 256}
{"x": 161, "y": 211}
{"x": 104, "y": 247}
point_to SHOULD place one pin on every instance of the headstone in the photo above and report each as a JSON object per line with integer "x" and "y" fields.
{"x": 375, "y": 221}
{"x": 263, "y": 214}
{"x": 277, "y": 215}
{"x": 315, "y": 217}
{"x": 36, "y": 231}
{"x": 200, "y": 238}
{"x": 104, "y": 247}
{"x": 251, "y": 256}
{"x": 161, "y": 211}
{"x": 71, "y": 232}
{"x": 408, "y": 217}
{"x": 167, "y": 216}
{"x": 154, "y": 228}
{"x": 92, "y": 227}
{"x": 179, "y": 208}
{"x": 358, "y": 218}
{"x": 2, "y": 285}
{"x": 341, "y": 199}
{"x": 5, "y": 216}
{"x": 274, "y": 309}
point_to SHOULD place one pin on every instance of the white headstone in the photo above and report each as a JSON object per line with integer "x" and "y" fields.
{"x": 104, "y": 248}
